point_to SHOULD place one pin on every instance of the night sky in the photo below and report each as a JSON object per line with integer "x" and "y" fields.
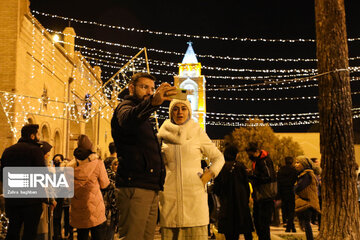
{"x": 246, "y": 19}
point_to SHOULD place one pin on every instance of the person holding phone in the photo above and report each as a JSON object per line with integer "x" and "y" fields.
{"x": 184, "y": 212}
{"x": 141, "y": 172}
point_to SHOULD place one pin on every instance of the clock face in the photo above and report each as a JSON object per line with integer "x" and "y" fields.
{"x": 189, "y": 84}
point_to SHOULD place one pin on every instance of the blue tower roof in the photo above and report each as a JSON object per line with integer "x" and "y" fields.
{"x": 190, "y": 56}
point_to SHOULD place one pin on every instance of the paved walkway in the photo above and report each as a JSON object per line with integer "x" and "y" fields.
{"x": 277, "y": 233}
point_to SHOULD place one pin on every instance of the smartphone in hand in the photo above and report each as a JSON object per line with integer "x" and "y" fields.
{"x": 181, "y": 94}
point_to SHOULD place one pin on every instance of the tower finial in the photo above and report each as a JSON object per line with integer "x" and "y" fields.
{"x": 190, "y": 56}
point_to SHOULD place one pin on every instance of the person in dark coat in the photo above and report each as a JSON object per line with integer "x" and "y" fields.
{"x": 57, "y": 160}
{"x": 263, "y": 179}
{"x": 286, "y": 177}
{"x": 141, "y": 171}
{"x": 232, "y": 187}
{"x": 112, "y": 157}
{"x": 24, "y": 211}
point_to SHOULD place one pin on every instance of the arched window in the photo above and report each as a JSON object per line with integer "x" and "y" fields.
{"x": 57, "y": 143}
{"x": 45, "y": 135}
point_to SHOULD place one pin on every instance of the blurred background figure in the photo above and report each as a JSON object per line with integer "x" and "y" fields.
{"x": 114, "y": 165}
{"x": 358, "y": 187}
{"x": 263, "y": 180}
{"x": 286, "y": 177}
{"x": 232, "y": 187}
{"x": 110, "y": 199}
{"x": 306, "y": 194}
{"x": 45, "y": 224}
{"x": 108, "y": 161}
{"x": 316, "y": 217}
{"x": 58, "y": 159}
{"x": 68, "y": 230}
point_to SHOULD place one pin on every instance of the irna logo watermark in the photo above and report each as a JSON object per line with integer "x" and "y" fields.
{"x": 38, "y": 182}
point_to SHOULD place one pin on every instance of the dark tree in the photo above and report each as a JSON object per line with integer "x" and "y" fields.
{"x": 340, "y": 209}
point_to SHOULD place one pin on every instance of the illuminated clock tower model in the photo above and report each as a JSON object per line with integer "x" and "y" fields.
{"x": 190, "y": 78}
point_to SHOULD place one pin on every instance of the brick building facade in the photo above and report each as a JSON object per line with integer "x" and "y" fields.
{"x": 48, "y": 83}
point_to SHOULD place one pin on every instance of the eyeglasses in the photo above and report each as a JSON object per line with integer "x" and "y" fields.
{"x": 146, "y": 87}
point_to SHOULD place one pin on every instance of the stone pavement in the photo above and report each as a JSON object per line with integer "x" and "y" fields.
{"x": 277, "y": 233}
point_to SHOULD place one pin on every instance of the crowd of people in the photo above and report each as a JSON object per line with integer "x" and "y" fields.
{"x": 157, "y": 178}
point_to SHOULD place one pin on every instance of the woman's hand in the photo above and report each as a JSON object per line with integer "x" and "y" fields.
{"x": 207, "y": 176}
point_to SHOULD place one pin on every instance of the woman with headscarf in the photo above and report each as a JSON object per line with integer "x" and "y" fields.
{"x": 306, "y": 193}
{"x": 87, "y": 210}
{"x": 184, "y": 212}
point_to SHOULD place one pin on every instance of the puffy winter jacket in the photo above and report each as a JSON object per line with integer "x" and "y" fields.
{"x": 183, "y": 203}
{"x": 87, "y": 206}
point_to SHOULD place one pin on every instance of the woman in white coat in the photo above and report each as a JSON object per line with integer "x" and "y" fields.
{"x": 184, "y": 212}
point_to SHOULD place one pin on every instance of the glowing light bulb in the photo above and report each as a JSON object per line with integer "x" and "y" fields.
{"x": 56, "y": 38}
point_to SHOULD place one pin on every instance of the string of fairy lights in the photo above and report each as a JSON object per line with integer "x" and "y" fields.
{"x": 193, "y": 36}
{"x": 247, "y": 87}
{"x": 103, "y": 57}
{"x": 180, "y": 54}
{"x": 115, "y": 64}
{"x": 82, "y": 109}
{"x": 282, "y": 119}
{"x": 232, "y": 87}
{"x": 211, "y": 68}
{"x": 205, "y": 67}
{"x": 46, "y": 62}
{"x": 93, "y": 51}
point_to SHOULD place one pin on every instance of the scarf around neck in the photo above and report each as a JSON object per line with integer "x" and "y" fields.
{"x": 177, "y": 134}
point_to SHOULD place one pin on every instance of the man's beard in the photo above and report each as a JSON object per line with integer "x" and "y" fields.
{"x": 140, "y": 98}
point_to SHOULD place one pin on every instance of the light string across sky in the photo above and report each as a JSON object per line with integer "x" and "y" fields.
{"x": 149, "y": 49}
{"x": 115, "y": 65}
{"x": 244, "y": 87}
{"x": 92, "y": 52}
{"x": 251, "y": 99}
{"x": 178, "y": 34}
{"x": 283, "y": 119}
{"x": 241, "y": 88}
{"x": 117, "y": 61}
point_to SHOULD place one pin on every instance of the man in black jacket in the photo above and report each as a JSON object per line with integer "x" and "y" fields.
{"x": 141, "y": 171}
{"x": 263, "y": 179}
{"x": 25, "y": 153}
{"x": 286, "y": 177}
